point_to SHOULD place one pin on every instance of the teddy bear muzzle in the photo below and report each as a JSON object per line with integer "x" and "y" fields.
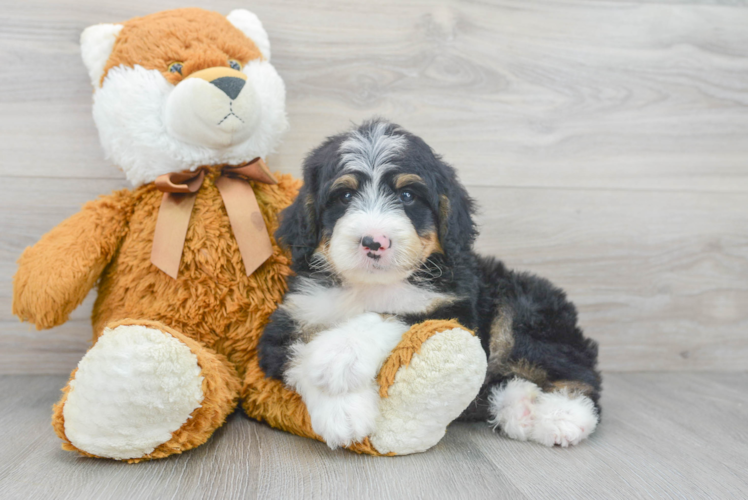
{"x": 215, "y": 107}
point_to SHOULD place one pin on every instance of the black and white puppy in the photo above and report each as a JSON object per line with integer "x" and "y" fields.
{"x": 382, "y": 225}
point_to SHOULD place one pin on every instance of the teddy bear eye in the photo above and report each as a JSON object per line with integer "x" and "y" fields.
{"x": 175, "y": 67}
{"x": 235, "y": 64}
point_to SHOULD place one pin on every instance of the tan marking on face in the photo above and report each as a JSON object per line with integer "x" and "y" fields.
{"x": 324, "y": 248}
{"x": 403, "y": 180}
{"x": 430, "y": 243}
{"x": 345, "y": 181}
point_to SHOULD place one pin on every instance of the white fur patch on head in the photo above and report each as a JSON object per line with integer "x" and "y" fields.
{"x": 97, "y": 42}
{"x": 133, "y": 389}
{"x": 438, "y": 384}
{"x": 524, "y": 413}
{"x": 249, "y": 24}
{"x": 131, "y": 108}
{"x": 371, "y": 150}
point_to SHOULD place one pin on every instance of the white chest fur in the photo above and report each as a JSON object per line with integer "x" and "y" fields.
{"x": 315, "y": 305}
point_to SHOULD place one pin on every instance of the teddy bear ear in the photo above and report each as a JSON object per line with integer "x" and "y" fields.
{"x": 97, "y": 42}
{"x": 249, "y": 24}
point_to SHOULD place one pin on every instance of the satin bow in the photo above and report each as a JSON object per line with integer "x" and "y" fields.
{"x": 180, "y": 191}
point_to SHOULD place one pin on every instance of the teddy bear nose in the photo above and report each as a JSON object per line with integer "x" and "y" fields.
{"x": 230, "y": 85}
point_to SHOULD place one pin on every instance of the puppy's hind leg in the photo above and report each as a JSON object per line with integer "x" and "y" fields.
{"x": 559, "y": 415}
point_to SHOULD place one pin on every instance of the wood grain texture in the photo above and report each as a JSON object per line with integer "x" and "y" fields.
{"x": 673, "y": 435}
{"x": 606, "y": 143}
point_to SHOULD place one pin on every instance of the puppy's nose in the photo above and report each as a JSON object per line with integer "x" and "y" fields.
{"x": 230, "y": 85}
{"x": 377, "y": 243}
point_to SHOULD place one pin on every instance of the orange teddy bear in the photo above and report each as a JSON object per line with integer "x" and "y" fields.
{"x": 187, "y": 104}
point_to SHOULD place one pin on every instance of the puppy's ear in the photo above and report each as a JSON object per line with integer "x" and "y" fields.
{"x": 457, "y": 229}
{"x": 298, "y": 226}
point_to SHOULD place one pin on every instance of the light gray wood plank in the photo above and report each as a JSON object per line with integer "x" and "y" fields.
{"x": 615, "y": 94}
{"x": 663, "y": 436}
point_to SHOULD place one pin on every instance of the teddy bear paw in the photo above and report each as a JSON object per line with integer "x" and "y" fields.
{"x": 132, "y": 390}
{"x": 430, "y": 392}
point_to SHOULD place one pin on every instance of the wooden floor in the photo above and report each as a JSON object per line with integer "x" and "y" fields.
{"x": 663, "y": 436}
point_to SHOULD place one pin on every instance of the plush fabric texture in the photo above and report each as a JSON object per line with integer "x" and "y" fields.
{"x": 438, "y": 383}
{"x": 411, "y": 343}
{"x": 220, "y": 388}
{"x": 142, "y": 111}
{"x": 158, "y": 387}
{"x": 198, "y": 38}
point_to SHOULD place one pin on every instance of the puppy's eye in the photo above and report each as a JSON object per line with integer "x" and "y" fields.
{"x": 407, "y": 196}
{"x": 346, "y": 197}
{"x": 234, "y": 64}
{"x": 175, "y": 67}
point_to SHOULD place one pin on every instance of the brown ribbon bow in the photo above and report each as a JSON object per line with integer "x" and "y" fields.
{"x": 180, "y": 191}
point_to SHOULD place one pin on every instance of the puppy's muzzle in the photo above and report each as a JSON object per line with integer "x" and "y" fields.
{"x": 228, "y": 80}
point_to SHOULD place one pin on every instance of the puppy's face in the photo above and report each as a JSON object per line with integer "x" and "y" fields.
{"x": 376, "y": 201}
{"x": 377, "y": 225}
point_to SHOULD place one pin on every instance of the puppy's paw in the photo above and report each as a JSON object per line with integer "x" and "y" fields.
{"x": 344, "y": 419}
{"x": 337, "y": 363}
{"x": 513, "y": 408}
{"x": 346, "y": 358}
{"x": 563, "y": 419}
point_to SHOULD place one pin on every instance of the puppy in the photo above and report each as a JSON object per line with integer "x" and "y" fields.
{"x": 381, "y": 236}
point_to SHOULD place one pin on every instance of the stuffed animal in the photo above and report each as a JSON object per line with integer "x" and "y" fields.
{"x": 188, "y": 105}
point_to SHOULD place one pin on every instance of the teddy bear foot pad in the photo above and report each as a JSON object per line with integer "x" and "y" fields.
{"x": 438, "y": 384}
{"x": 131, "y": 391}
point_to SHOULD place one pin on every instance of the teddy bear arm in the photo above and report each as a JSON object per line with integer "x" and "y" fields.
{"x": 55, "y": 275}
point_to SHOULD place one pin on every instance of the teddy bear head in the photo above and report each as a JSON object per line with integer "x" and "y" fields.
{"x": 181, "y": 89}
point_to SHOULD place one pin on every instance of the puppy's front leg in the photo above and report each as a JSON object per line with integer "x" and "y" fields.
{"x": 334, "y": 374}
{"x": 345, "y": 358}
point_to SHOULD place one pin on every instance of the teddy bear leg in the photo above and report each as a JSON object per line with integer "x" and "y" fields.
{"x": 144, "y": 391}
{"x": 269, "y": 400}
{"x": 426, "y": 383}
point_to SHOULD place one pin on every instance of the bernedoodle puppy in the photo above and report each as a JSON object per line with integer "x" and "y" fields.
{"x": 382, "y": 238}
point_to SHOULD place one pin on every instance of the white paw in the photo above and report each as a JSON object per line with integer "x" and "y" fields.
{"x": 513, "y": 408}
{"x": 555, "y": 418}
{"x": 346, "y": 358}
{"x": 337, "y": 363}
{"x": 343, "y": 419}
{"x": 563, "y": 419}
{"x": 132, "y": 390}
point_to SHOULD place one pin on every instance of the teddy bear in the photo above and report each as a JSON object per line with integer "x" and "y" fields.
{"x": 187, "y": 271}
